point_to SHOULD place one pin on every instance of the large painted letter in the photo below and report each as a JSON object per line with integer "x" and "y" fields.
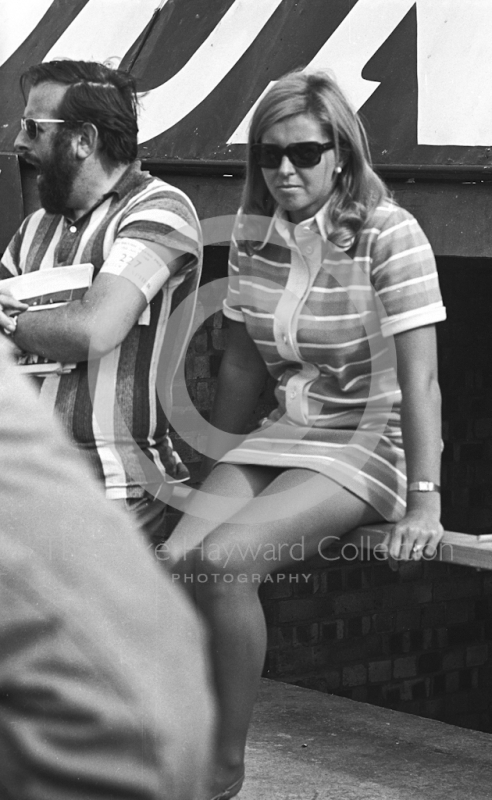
{"x": 365, "y": 28}
{"x": 455, "y": 72}
{"x": 166, "y": 105}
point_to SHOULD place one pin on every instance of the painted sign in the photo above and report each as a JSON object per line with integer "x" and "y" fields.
{"x": 419, "y": 71}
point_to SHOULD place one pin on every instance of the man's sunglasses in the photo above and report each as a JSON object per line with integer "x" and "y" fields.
{"x": 30, "y": 125}
{"x": 300, "y": 154}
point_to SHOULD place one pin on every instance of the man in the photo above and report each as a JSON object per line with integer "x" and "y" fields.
{"x": 143, "y": 238}
{"x": 104, "y": 688}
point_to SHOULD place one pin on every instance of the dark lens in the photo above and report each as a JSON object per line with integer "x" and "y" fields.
{"x": 305, "y": 154}
{"x": 267, "y": 156}
{"x": 31, "y": 128}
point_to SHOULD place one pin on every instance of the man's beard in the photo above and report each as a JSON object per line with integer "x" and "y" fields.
{"x": 56, "y": 177}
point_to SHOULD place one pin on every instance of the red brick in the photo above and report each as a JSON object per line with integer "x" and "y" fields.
{"x": 433, "y": 615}
{"x": 199, "y": 342}
{"x": 384, "y": 621}
{"x": 468, "y": 586}
{"x": 483, "y": 428}
{"x": 304, "y": 609}
{"x": 219, "y": 339}
{"x": 349, "y": 650}
{"x": 354, "y": 603}
{"x": 306, "y": 634}
{"x": 477, "y": 655}
{"x": 379, "y": 671}
{"x": 354, "y": 675}
{"x": 205, "y": 393}
{"x": 359, "y": 693}
{"x": 295, "y": 662}
{"x": 405, "y": 667}
{"x": 408, "y": 619}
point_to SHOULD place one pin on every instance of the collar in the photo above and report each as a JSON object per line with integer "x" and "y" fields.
{"x": 316, "y": 224}
{"x": 131, "y": 178}
{"x": 281, "y": 223}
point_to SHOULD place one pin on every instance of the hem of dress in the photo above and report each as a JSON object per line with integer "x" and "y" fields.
{"x": 386, "y": 509}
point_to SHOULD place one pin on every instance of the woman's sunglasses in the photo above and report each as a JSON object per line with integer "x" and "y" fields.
{"x": 300, "y": 154}
{"x": 30, "y": 125}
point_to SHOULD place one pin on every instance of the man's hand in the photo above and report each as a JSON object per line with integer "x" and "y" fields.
{"x": 9, "y": 307}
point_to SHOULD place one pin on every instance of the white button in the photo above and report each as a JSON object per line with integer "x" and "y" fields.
{"x": 293, "y": 394}
{"x": 72, "y": 229}
{"x": 284, "y": 338}
{"x": 309, "y": 249}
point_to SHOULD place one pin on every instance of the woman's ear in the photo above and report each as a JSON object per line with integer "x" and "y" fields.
{"x": 86, "y": 140}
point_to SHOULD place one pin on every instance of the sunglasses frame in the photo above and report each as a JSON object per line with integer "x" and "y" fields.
{"x": 25, "y": 121}
{"x": 290, "y": 151}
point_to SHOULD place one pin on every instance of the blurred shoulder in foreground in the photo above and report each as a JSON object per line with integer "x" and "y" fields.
{"x": 104, "y": 688}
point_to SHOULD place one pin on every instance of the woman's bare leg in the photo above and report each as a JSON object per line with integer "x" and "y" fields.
{"x": 235, "y": 558}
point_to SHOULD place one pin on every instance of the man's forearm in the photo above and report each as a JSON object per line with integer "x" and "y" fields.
{"x": 56, "y": 333}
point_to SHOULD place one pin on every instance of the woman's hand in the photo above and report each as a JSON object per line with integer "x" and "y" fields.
{"x": 416, "y": 535}
{"x": 9, "y": 307}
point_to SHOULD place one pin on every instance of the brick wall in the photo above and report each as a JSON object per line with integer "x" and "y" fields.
{"x": 418, "y": 640}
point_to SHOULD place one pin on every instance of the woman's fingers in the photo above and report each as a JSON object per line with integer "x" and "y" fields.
{"x": 414, "y": 539}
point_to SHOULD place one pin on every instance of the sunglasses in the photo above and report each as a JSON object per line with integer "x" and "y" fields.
{"x": 30, "y": 125}
{"x": 300, "y": 154}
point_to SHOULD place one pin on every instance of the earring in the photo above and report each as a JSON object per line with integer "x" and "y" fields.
{"x": 337, "y": 170}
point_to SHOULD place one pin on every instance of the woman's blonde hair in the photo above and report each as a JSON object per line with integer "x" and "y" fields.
{"x": 357, "y": 189}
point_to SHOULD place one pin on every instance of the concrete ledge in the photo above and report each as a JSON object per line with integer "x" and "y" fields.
{"x": 455, "y": 548}
{"x": 307, "y": 745}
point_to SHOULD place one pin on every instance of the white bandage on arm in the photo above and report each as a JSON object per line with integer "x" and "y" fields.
{"x": 139, "y": 263}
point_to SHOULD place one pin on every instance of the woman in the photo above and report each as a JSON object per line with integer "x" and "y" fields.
{"x": 333, "y": 291}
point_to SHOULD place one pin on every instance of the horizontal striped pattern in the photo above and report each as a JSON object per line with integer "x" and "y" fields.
{"x": 323, "y": 320}
{"x": 113, "y": 414}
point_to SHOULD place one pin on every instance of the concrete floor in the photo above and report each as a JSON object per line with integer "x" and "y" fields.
{"x": 306, "y": 745}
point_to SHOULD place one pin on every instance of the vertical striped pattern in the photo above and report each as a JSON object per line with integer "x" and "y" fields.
{"x": 323, "y": 320}
{"x": 113, "y": 412}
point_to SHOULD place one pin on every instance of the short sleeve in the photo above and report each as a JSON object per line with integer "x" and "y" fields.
{"x": 404, "y": 274}
{"x": 162, "y": 218}
{"x": 231, "y": 306}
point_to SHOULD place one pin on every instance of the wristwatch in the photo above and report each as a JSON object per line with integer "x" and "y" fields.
{"x": 424, "y": 486}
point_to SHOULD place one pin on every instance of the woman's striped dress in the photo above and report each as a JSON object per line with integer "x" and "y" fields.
{"x": 324, "y": 319}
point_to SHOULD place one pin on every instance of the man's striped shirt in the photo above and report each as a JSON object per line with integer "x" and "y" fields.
{"x": 111, "y": 407}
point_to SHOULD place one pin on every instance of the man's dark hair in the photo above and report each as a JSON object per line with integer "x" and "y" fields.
{"x": 98, "y": 94}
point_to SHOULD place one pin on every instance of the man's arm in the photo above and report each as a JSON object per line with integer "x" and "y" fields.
{"x": 93, "y": 326}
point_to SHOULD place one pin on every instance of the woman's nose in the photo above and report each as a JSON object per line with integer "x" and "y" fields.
{"x": 286, "y": 167}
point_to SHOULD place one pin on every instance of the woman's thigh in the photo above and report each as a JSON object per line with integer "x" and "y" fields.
{"x": 309, "y": 509}
{"x": 226, "y": 490}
